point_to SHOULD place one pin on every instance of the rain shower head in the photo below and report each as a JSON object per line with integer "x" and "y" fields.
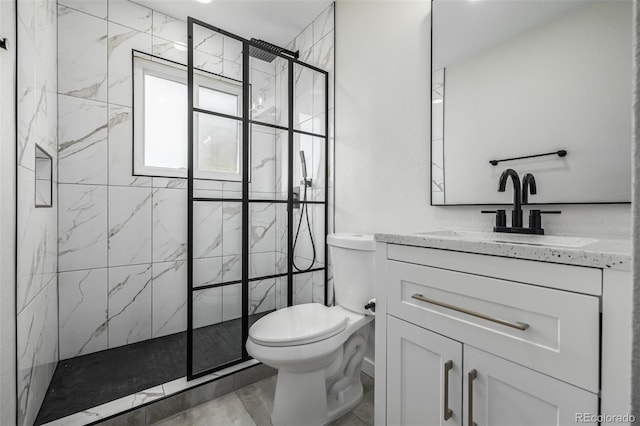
{"x": 267, "y": 52}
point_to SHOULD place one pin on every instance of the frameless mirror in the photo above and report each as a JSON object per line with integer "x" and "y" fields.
{"x": 522, "y": 78}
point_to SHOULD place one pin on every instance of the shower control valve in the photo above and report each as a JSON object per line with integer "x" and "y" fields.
{"x": 307, "y": 182}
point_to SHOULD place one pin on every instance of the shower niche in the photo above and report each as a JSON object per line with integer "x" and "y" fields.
{"x": 259, "y": 243}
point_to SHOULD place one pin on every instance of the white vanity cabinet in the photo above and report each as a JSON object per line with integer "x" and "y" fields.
{"x": 425, "y": 378}
{"x": 471, "y": 339}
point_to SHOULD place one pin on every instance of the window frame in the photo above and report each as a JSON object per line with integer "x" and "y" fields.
{"x": 178, "y": 73}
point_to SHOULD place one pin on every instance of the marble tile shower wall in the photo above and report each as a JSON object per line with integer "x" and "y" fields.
{"x": 123, "y": 238}
{"x": 316, "y": 46}
{"x": 37, "y": 295}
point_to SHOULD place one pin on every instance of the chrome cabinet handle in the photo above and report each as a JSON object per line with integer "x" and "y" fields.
{"x": 518, "y": 325}
{"x": 471, "y": 377}
{"x": 448, "y": 412}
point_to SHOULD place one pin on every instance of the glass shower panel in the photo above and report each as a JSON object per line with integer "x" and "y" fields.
{"x": 314, "y": 149}
{"x": 217, "y": 72}
{"x": 231, "y": 242}
{"x": 308, "y": 287}
{"x": 218, "y": 150}
{"x": 262, "y": 239}
{"x": 281, "y": 246}
{"x": 208, "y": 243}
{"x": 309, "y": 108}
{"x": 308, "y": 253}
{"x": 262, "y": 298}
{"x": 269, "y": 100}
{"x": 217, "y": 327}
{"x": 268, "y": 176}
{"x": 282, "y": 92}
{"x": 217, "y": 53}
{"x": 208, "y": 53}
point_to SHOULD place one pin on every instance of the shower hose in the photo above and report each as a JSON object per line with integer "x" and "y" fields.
{"x": 304, "y": 212}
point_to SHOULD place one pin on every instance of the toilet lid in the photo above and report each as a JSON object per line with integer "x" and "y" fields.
{"x": 298, "y": 325}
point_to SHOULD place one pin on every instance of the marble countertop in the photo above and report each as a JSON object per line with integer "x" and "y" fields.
{"x": 597, "y": 253}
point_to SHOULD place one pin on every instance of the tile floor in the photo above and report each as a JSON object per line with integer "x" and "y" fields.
{"x": 251, "y": 406}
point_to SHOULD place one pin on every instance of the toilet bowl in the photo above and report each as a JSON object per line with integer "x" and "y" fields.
{"x": 318, "y": 350}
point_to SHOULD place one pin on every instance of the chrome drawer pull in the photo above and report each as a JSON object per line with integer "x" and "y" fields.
{"x": 448, "y": 412}
{"x": 473, "y": 374}
{"x": 518, "y": 325}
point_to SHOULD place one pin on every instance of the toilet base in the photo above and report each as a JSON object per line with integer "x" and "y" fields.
{"x": 315, "y": 398}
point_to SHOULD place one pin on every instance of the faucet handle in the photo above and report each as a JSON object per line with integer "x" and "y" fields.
{"x": 535, "y": 218}
{"x": 501, "y": 217}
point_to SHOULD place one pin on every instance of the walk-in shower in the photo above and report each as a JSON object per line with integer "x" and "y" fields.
{"x": 295, "y": 123}
{"x": 176, "y": 265}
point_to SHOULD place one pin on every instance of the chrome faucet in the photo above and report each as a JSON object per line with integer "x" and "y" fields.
{"x": 516, "y": 213}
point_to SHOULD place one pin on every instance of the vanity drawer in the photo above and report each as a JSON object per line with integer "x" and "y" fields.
{"x": 579, "y": 279}
{"x": 558, "y": 330}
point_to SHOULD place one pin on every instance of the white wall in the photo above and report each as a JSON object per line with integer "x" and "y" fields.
{"x": 560, "y": 105}
{"x": 635, "y": 370}
{"x": 37, "y": 228}
{"x": 7, "y": 218}
{"x": 382, "y": 130}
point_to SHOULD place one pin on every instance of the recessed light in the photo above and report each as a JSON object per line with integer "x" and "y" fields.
{"x": 204, "y": 1}
{"x": 436, "y": 101}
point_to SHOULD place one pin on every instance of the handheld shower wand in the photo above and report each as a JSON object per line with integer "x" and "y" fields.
{"x": 303, "y": 165}
{"x": 304, "y": 212}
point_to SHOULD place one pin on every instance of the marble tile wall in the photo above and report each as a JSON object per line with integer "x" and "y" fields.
{"x": 122, "y": 241}
{"x": 37, "y": 295}
{"x": 316, "y": 46}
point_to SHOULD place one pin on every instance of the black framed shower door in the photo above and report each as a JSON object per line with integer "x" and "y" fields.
{"x": 214, "y": 347}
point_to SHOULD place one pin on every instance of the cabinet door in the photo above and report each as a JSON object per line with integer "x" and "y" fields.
{"x": 506, "y": 394}
{"x": 424, "y": 376}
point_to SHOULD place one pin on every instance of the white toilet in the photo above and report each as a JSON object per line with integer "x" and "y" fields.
{"x": 318, "y": 350}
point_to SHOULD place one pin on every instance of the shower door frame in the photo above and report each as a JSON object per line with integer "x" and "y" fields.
{"x": 245, "y": 200}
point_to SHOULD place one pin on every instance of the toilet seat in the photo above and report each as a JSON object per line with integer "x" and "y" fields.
{"x": 298, "y": 325}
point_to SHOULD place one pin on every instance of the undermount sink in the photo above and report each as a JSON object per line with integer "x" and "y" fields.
{"x": 539, "y": 240}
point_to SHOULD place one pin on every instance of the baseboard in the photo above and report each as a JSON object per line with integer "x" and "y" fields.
{"x": 368, "y": 367}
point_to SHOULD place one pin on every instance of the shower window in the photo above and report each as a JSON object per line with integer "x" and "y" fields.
{"x": 160, "y": 123}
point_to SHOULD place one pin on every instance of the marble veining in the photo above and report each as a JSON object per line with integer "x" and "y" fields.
{"x": 129, "y": 304}
{"x": 262, "y": 224}
{"x": 37, "y": 228}
{"x": 82, "y": 227}
{"x": 119, "y": 46}
{"x": 82, "y": 312}
{"x": 82, "y": 141}
{"x": 120, "y": 141}
{"x": 262, "y": 296}
{"x": 208, "y": 220}
{"x": 37, "y": 351}
{"x": 130, "y": 14}
{"x": 129, "y": 225}
{"x": 169, "y": 225}
{"x": 82, "y": 55}
{"x": 169, "y": 299}
{"x": 605, "y": 253}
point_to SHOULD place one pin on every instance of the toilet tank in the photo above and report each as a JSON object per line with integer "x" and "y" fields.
{"x": 352, "y": 258}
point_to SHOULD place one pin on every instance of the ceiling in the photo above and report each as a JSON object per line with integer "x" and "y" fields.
{"x": 275, "y": 21}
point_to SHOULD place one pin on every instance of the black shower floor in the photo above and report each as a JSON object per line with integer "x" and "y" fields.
{"x": 90, "y": 380}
